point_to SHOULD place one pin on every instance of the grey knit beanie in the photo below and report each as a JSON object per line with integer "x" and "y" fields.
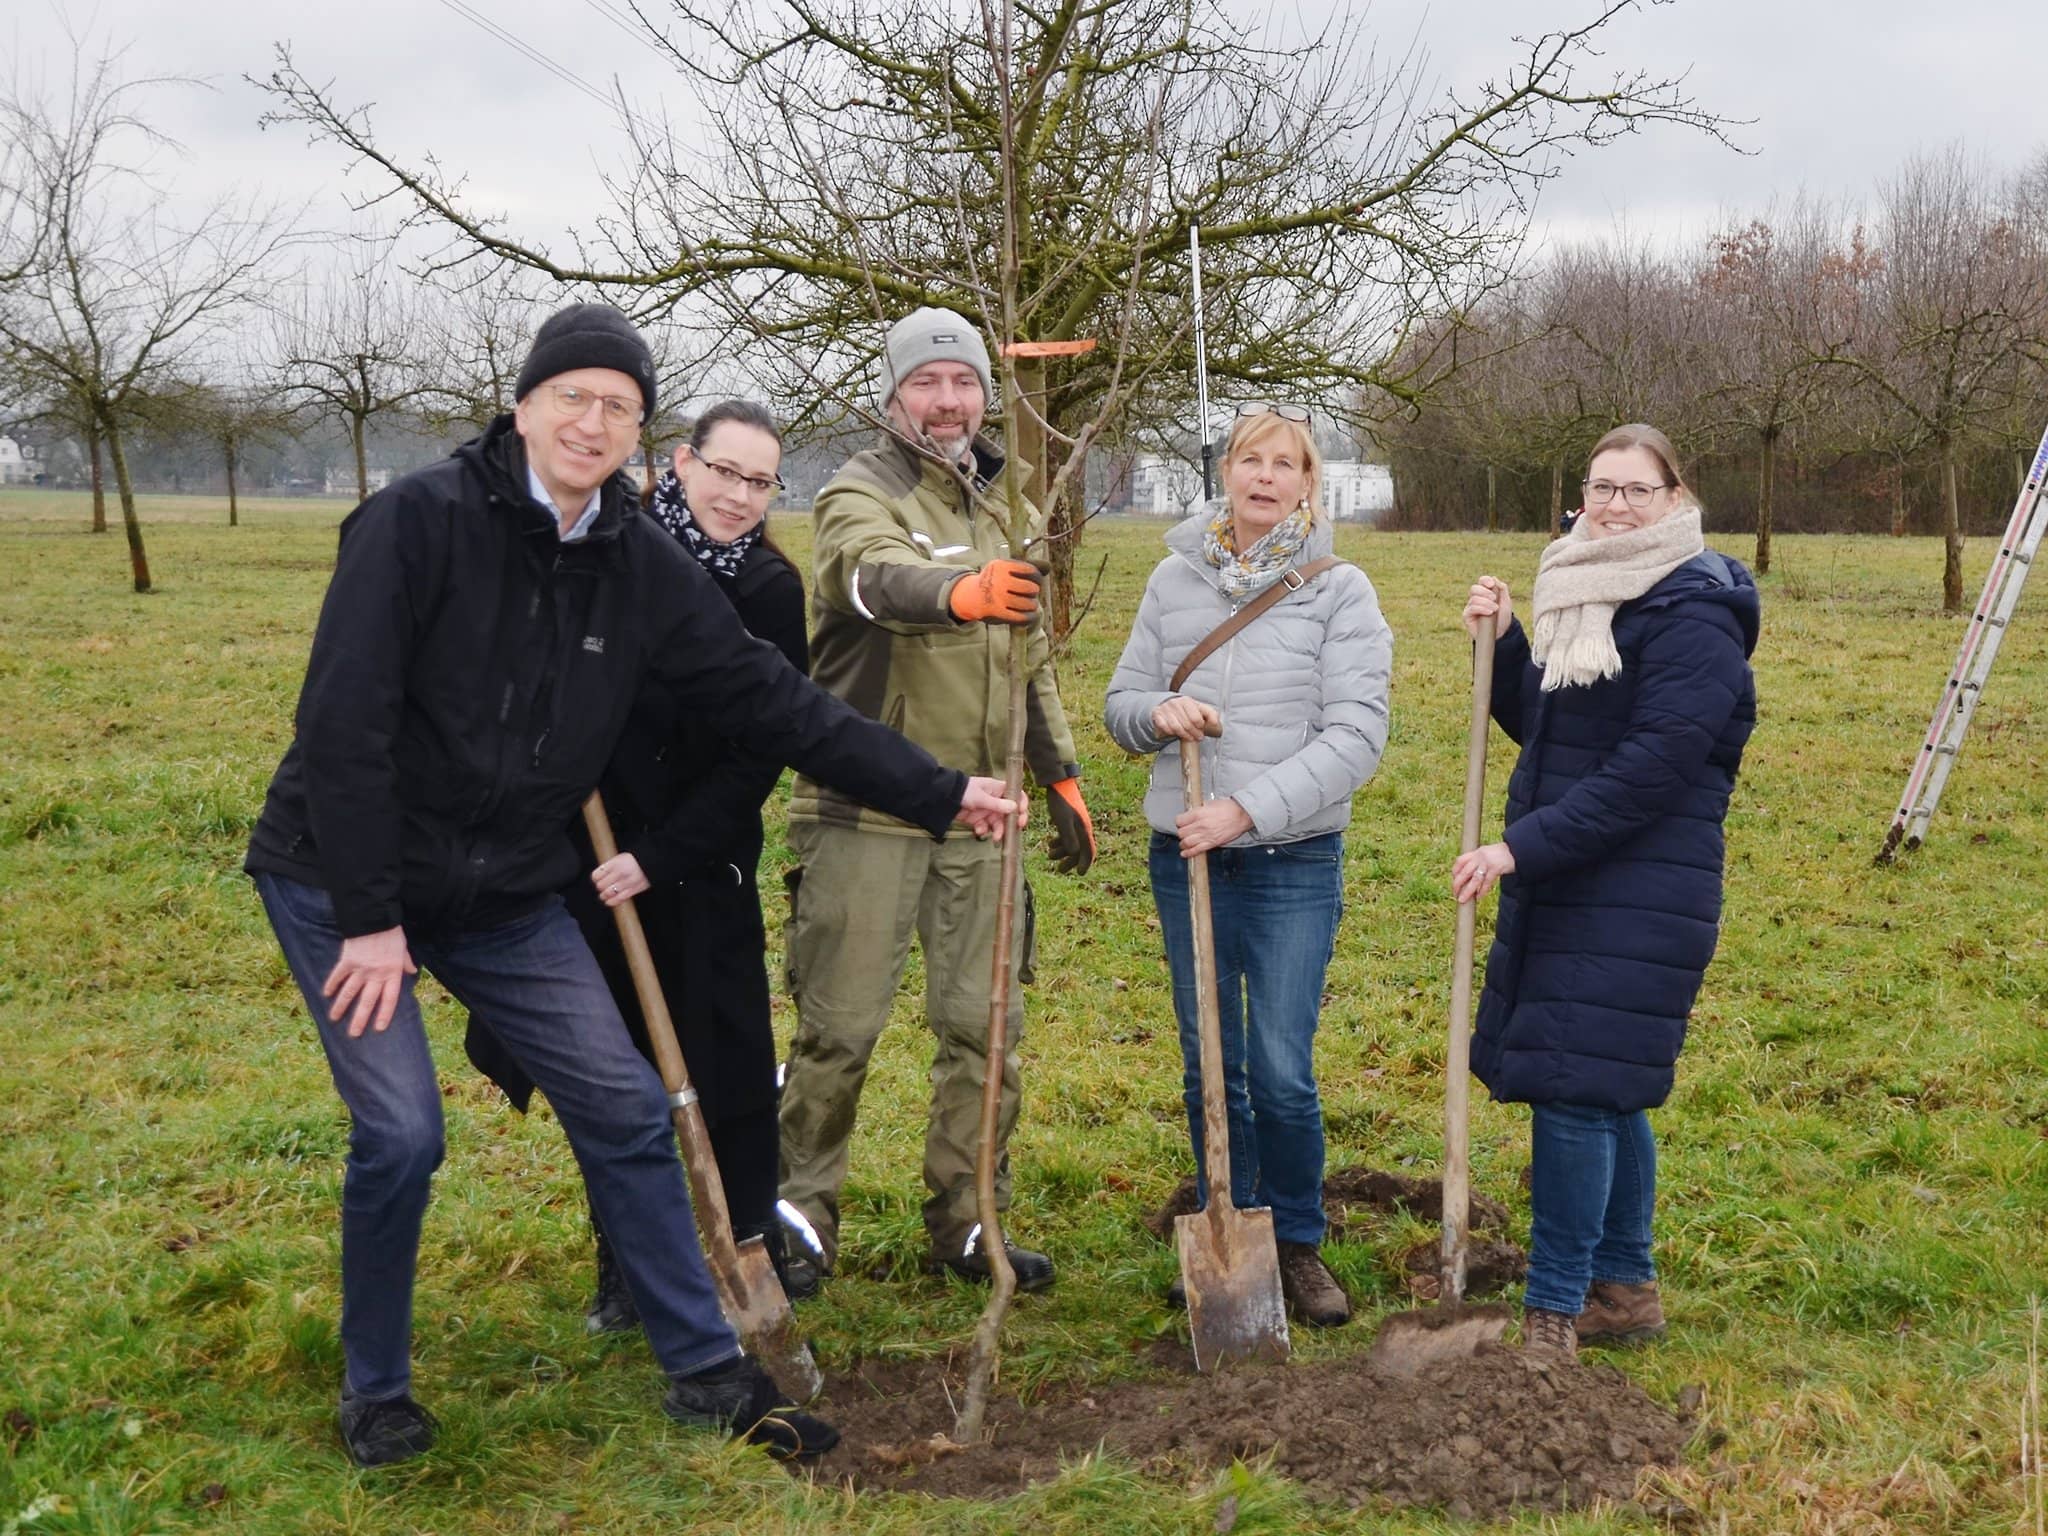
{"x": 931, "y": 336}
{"x": 588, "y": 336}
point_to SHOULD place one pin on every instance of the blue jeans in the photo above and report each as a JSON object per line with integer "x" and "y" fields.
{"x": 1592, "y": 1190}
{"x": 534, "y": 984}
{"x": 1275, "y": 910}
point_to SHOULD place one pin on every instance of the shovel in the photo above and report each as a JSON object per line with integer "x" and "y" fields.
{"x": 751, "y": 1297}
{"x": 1410, "y": 1342}
{"x": 1229, "y": 1262}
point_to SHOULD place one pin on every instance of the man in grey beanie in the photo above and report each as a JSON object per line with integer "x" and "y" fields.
{"x": 916, "y": 605}
{"x": 490, "y": 620}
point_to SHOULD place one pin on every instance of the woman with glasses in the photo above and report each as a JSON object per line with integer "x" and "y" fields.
{"x": 686, "y": 807}
{"x": 1631, "y": 698}
{"x": 1300, "y": 695}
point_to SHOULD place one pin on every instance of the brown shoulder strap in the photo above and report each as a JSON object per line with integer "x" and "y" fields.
{"x": 1291, "y": 580}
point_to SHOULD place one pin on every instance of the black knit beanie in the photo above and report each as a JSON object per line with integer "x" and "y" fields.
{"x": 588, "y": 336}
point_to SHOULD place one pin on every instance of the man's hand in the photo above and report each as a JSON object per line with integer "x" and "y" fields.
{"x": 1476, "y": 872}
{"x": 370, "y": 975}
{"x": 1211, "y": 826}
{"x": 984, "y": 810}
{"x": 1001, "y": 592}
{"x": 1073, "y": 829}
{"x": 1189, "y": 719}
{"x": 619, "y": 879}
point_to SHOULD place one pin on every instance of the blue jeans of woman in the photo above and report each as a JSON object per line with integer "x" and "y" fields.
{"x": 535, "y": 985}
{"x": 1275, "y": 909}
{"x": 1592, "y": 1191}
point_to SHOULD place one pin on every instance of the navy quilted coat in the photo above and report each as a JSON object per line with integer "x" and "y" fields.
{"x": 1614, "y": 818}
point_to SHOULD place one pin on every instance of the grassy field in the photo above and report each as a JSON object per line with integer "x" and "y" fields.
{"x": 1853, "y": 1197}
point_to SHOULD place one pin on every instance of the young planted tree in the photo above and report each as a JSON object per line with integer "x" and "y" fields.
{"x": 127, "y": 288}
{"x": 857, "y": 156}
{"x": 233, "y": 417}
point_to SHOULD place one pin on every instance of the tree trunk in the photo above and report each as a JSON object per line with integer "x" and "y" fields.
{"x": 355, "y": 436}
{"x": 1492, "y": 501}
{"x": 138, "y": 558}
{"x": 1898, "y": 501}
{"x": 234, "y": 514}
{"x": 1557, "y": 498}
{"x": 1951, "y": 533}
{"x": 1767, "y": 479}
{"x": 99, "y": 480}
{"x": 1062, "y": 523}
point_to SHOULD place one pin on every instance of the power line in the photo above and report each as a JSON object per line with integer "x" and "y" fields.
{"x": 560, "y": 71}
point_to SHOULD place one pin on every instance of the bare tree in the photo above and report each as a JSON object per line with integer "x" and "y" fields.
{"x": 861, "y": 156}
{"x": 356, "y": 347}
{"x": 1959, "y": 296}
{"x": 481, "y": 341}
{"x": 125, "y": 290}
{"x": 235, "y": 412}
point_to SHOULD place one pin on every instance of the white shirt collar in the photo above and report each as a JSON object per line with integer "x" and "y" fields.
{"x": 584, "y": 519}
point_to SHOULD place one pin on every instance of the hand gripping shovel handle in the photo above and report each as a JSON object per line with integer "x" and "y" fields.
{"x": 1457, "y": 1187}
{"x": 748, "y": 1291}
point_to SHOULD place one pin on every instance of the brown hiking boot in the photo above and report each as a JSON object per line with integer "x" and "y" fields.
{"x": 1312, "y": 1292}
{"x": 1621, "y": 1314}
{"x": 1549, "y": 1334}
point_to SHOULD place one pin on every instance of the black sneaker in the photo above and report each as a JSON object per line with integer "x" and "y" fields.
{"x": 378, "y": 1433}
{"x": 611, "y": 1310}
{"x": 1034, "y": 1270}
{"x": 743, "y": 1401}
{"x": 802, "y": 1275}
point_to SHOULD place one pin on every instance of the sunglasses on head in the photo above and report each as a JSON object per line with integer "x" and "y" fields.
{"x": 1284, "y": 412}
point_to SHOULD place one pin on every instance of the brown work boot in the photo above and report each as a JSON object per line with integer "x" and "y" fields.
{"x": 1549, "y": 1334}
{"x": 1621, "y": 1314}
{"x": 1312, "y": 1292}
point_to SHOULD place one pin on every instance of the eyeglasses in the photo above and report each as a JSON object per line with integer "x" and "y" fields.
{"x": 1284, "y": 412}
{"x": 755, "y": 484}
{"x": 573, "y": 402}
{"x": 1638, "y": 495}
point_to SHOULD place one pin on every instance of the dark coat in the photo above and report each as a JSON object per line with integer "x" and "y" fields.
{"x": 687, "y": 804}
{"x": 1614, "y": 818}
{"x": 471, "y": 675}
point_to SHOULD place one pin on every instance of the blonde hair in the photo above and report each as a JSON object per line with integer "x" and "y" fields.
{"x": 1249, "y": 431}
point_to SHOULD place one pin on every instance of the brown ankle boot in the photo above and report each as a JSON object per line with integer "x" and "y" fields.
{"x": 1549, "y": 1334}
{"x": 1621, "y": 1314}
{"x": 1312, "y": 1292}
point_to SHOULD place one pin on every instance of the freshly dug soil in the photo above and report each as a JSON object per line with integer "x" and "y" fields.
{"x": 1480, "y": 1438}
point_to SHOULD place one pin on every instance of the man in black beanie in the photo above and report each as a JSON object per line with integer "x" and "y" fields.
{"x": 489, "y": 621}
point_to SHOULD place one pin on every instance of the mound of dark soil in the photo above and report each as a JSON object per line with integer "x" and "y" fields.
{"x": 1491, "y": 1434}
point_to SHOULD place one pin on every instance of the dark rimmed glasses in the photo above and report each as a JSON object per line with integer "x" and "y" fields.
{"x": 757, "y": 485}
{"x": 1636, "y": 494}
{"x": 1286, "y": 412}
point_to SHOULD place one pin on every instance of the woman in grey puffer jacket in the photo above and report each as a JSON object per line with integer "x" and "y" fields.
{"x": 1301, "y": 695}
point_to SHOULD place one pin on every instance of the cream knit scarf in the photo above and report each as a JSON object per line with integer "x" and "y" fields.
{"x": 1581, "y": 580}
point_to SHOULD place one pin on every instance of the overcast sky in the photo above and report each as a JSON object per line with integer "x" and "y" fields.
{"x": 1840, "y": 91}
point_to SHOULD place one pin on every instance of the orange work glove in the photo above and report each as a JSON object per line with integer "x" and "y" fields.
{"x": 1001, "y": 592}
{"x": 1073, "y": 829}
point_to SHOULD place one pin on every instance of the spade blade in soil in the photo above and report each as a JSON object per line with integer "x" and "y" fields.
{"x": 1409, "y": 1343}
{"x": 1231, "y": 1268}
{"x": 763, "y": 1320}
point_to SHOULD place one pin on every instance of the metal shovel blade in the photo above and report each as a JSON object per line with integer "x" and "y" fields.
{"x": 761, "y": 1316}
{"x": 1409, "y": 1343}
{"x": 1231, "y": 1268}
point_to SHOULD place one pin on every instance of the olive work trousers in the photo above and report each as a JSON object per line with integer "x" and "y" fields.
{"x": 858, "y": 899}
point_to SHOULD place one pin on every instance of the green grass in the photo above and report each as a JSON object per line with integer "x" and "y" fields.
{"x": 1852, "y": 1219}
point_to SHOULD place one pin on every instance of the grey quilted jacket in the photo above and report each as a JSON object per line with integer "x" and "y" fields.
{"x": 1302, "y": 690}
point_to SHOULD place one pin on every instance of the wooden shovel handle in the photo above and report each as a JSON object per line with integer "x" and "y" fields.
{"x": 707, "y": 1188}
{"x": 1215, "y": 1117}
{"x": 1457, "y": 1187}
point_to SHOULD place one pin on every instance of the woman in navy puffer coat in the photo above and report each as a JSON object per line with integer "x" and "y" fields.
{"x": 1631, "y": 702}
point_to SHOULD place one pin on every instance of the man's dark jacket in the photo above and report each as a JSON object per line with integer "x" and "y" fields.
{"x": 471, "y": 675}
{"x": 1614, "y": 818}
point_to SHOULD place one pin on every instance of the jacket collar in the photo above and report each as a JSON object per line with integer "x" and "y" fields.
{"x": 499, "y": 458}
{"x": 1185, "y": 538}
{"x": 988, "y": 461}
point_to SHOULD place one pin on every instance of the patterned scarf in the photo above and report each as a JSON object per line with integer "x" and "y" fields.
{"x": 1581, "y": 580}
{"x": 1243, "y": 574}
{"x": 673, "y": 513}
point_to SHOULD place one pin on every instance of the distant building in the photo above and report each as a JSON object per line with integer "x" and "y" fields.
{"x": 1163, "y": 487}
{"x": 342, "y": 482}
{"x": 1357, "y": 493}
{"x": 18, "y": 465}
